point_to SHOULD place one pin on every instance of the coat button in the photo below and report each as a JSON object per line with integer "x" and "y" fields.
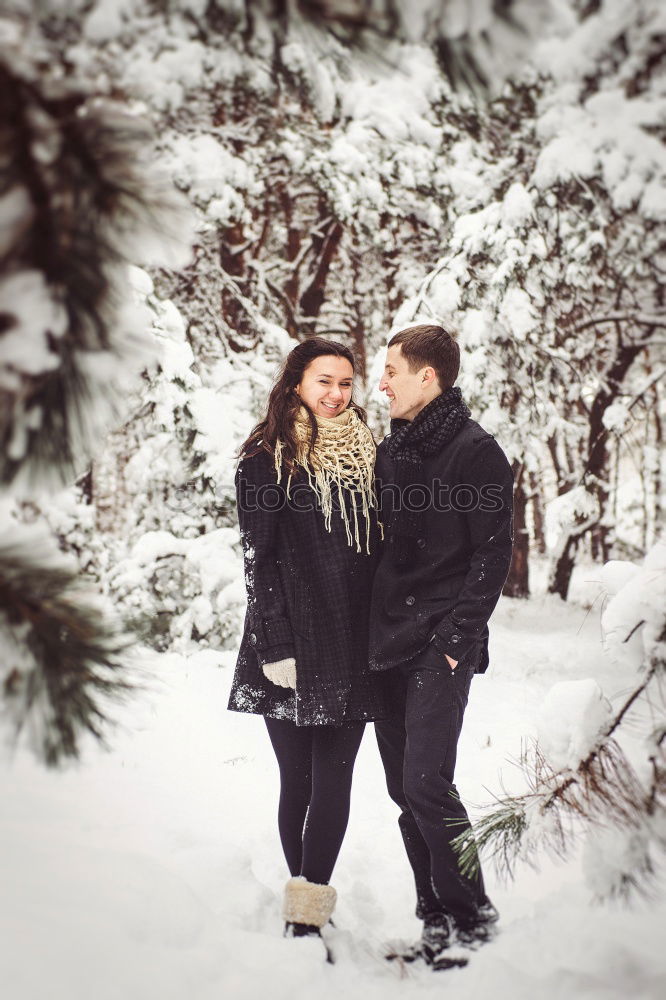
{"x": 410, "y": 600}
{"x": 455, "y": 637}
{"x": 253, "y": 639}
{"x": 420, "y": 542}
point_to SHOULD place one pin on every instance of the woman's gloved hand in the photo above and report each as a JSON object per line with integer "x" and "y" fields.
{"x": 282, "y": 672}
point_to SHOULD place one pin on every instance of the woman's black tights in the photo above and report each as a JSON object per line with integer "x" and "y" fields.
{"x": 316, "y": 765}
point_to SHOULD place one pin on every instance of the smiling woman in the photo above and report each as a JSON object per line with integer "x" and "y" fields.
{"x": 326, "y": 385}
{"x": 309, "y": 563}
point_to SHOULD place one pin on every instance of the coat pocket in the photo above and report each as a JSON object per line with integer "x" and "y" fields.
{"x": 431, "y": 612}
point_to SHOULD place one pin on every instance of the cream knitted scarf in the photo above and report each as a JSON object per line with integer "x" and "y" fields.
{"x": 343, "y": 458}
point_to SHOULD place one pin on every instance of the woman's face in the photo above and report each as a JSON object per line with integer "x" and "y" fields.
{"x": 326, "y": 385}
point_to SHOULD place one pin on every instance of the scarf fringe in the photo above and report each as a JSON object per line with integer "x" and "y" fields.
{"x": 342, "y": 460}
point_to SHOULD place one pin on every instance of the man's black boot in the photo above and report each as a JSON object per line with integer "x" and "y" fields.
{"x": 479, "y": 932}
{"x": 438, "y": 946}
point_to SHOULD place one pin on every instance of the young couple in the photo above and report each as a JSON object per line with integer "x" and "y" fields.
{"x": 350, "y": 620}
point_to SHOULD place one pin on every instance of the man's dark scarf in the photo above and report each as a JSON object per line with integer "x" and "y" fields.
{"x": 409, "y": 444}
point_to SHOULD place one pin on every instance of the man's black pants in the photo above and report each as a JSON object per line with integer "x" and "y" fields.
{"x": 418, "y": 748}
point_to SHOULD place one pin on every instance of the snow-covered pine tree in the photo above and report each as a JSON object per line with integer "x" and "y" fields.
{"x": 176, "y": 569}
{"x": 324, "y": 183}
{"x": 597, "y": 769}
{"x": 318, "y": 209}
{"x": 73, "y": 205}
{"x": 244, "y": 96}
{"x": 553, "y": 278}
{"x": 79, "y": 195}
{"x": 590, "y": 386}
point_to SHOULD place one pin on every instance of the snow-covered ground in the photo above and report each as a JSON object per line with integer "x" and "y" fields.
{"x": 154, "y": 870}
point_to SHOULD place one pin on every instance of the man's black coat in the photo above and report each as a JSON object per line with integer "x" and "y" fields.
{"x": 448, "y": 589}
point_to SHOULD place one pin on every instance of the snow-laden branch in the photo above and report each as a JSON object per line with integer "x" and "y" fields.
{"x": 81, "y": 199}
{"x": 641, "y": 319}
{"x": 603, "y": 789}
{"x": 64, "y": 657}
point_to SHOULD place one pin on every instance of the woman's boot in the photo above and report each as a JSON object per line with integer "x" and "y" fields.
{"x": 307, "y": 907}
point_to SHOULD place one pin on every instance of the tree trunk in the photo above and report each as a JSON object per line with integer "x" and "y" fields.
{"x": 560, "y": 578}
{"x": 85, "y": 484}
{"x": 294, "y": 239}
{"x": 107, "y": 484}
{"x": 655, "y": 473}
{"x": 358, "y": 330}
{"x": 232, "y": 263}
{"x": 517, "y": 582}
{"x": 537, "y": 514}
{"x": 600, "y": 538}
{"x": 564, "y": 465}
{"x": 595, "y": 471}
{"x": 313, "y": 297}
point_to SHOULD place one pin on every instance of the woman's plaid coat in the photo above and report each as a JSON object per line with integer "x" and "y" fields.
{"x": 308, "y": 597}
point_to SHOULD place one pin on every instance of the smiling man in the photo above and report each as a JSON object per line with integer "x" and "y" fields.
{"x": 446, "y": 495}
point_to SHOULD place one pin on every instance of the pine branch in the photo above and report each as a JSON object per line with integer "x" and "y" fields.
{"x": 499, "y": 835}
{"x": 64, "y": 658}
{"x": 79, "y": 203}
{"x": 464, "y": 37}
{"x": 603, "y": 789}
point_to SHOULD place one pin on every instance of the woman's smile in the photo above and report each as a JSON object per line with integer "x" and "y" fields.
{"x": 330, "y": 408}
{"x": 326, "y": 374}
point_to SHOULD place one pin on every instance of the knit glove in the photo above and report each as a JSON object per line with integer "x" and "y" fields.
{"x": 282, "y": 672}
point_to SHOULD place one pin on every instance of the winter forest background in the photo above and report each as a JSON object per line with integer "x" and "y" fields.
{"x": 187, "y": 189}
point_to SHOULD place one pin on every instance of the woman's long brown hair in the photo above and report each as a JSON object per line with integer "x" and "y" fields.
{"x": 284, "y": 402}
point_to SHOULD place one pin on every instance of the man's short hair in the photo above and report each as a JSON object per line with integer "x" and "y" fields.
{"x": 430, "y": 345}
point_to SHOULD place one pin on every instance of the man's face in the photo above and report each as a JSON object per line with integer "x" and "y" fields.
{"x": 408, "y": 392}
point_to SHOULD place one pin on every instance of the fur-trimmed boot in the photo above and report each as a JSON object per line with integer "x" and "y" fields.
{"x": 307, "y": 907}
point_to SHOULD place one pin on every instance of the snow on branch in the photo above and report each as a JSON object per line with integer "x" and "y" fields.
{"x": 63, "y": 656}
{"x": 604, "y": 787}
{"x": 474, "y": 43}
{"x": 80, "y": 198}
{"x": 641, "y": 319}
{"x": 598, "y": 789}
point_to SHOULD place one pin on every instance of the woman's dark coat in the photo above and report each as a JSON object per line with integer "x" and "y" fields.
{"x": 308, "y": 598}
